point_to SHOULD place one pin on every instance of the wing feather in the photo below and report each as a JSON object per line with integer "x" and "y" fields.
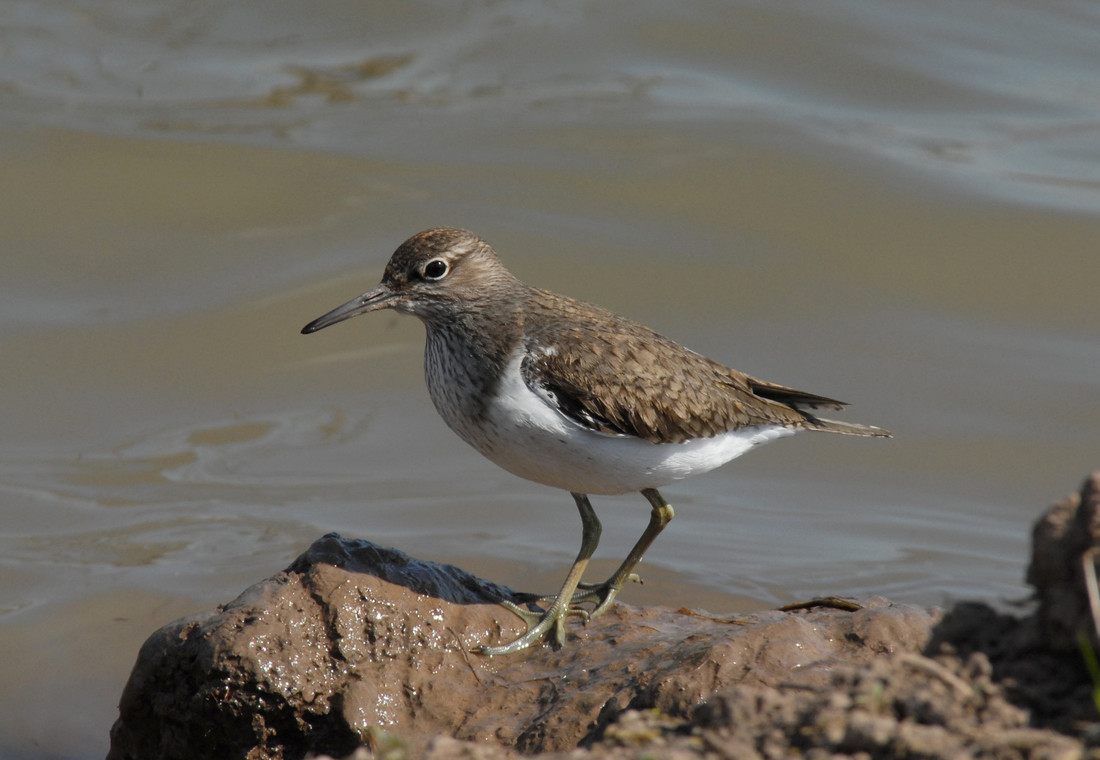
{"x": 618, "y": 377}
{"x": 622, "y": 383}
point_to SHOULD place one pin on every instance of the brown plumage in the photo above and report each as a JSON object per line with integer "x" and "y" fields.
{"x": 637, "y": 382}
{"x": 603, "y": 369}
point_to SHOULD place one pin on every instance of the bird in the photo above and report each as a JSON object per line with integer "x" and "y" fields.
{"x": 573, "y": 396}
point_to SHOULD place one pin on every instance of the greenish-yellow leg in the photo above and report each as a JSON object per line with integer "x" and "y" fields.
{"x": 540, "y": 624}
{"x": 601, "y": 595}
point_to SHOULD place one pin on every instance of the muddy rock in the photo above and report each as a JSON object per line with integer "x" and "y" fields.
{"x": 360, "y": 651}
{"x": 1064, "y": 542}
{"x": 354, "y": 641}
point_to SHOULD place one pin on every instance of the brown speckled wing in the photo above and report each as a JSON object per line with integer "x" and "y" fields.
{"x": 613, "y": 375}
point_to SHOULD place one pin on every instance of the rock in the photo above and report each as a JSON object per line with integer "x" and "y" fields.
{"x": 354, "y": 640}
{"x": 1059, "y": 542}
{"x": 362, "y": 651}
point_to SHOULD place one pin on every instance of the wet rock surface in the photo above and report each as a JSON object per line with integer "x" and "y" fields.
{"x": 357, "y": 645}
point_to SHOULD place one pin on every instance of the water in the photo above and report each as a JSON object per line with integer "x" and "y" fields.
{"x": 895, "y": 205}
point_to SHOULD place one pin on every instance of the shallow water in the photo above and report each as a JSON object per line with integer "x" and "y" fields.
{"x": 895, "y": 205}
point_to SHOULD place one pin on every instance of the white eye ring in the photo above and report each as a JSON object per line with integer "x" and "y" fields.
{"x": 436, "y": 269}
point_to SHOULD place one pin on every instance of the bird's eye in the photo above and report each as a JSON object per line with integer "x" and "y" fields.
{"x": 435, "y": 269}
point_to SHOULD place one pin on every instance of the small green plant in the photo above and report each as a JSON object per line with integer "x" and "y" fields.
{"x": 1092, "y": 664}
{"x": 1084, "y": 641}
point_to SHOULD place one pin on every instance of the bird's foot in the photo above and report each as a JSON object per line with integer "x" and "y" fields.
{"x": 600, "y": 595}
{"x": 540, "y": 626}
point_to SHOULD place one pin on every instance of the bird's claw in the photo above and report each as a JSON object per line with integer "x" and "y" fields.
{"x": 542, "y": 624}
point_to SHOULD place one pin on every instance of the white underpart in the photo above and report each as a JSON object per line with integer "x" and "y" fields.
{"x": 526, "y": 435}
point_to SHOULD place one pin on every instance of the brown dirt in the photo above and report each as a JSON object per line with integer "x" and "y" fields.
{"x": 359, "y": 645}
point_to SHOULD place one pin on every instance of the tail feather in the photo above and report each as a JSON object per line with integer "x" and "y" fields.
{"x": 804, "y": 402}
{"x": 799, "y": 400}
{"x": 845, "y": 428}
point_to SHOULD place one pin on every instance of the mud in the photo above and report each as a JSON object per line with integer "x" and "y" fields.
{"x": 357, "y": 649}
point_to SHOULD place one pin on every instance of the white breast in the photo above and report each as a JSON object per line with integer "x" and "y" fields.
{"x": 526, "y": 435}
